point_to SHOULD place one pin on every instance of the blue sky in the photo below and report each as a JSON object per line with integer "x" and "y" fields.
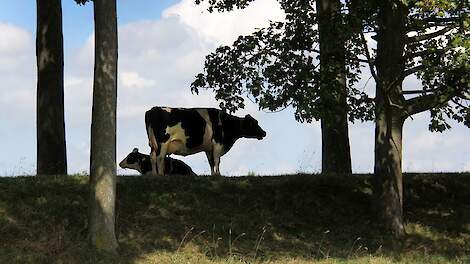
{"x": 78, "y": 19}
{"x": 162, "y": 45}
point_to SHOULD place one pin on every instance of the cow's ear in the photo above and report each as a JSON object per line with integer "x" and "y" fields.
{"x": 135, "y": 150}
{"x": 248, "y": 117}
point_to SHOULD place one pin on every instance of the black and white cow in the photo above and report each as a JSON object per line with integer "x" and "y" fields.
{"x": 185, "y": 131}
{"x": 141, "y": 163}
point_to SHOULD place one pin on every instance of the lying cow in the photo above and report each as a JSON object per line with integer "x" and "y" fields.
{"x": 185, "y": 131}
{"x": 141, "y": 162}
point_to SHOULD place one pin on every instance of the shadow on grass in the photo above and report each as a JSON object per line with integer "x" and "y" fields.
{"x": 267, "y": 217}
{"x": 439, "y": 201}
{"x": 43, "y": 220}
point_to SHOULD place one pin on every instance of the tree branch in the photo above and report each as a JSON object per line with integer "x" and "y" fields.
{"x": 413, "y": 70}
{"x": 359, "y": 60}
{"x": 422, "y": 103}
{"x": 464, "y": 96}
{"x": 441, "y": 19}
{"x": 368, "y": 57}
{"x": 415, "y": 92}
{"x": 432, "y": 22}
{"x": 427, "y": 52}
{"x": 430, "y": 35}
{"x": 350, "y": 58}
{"x": 458, "y": 103}
{"x": 422, "y": 91}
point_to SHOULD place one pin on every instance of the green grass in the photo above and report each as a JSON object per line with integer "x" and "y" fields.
{"x": 285, "y": 219}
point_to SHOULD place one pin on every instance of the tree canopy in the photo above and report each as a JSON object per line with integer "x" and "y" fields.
{"x": 278, "y": 66}
{"x": 82, "y": 2}
{"x": 389, "y": 40}
{"x": 438, "y": 53}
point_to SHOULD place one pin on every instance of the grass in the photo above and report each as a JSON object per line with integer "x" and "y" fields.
{"x": 285, "y": 219}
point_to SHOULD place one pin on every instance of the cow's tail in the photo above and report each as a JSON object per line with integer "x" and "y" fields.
{"x": 150, "y": 132}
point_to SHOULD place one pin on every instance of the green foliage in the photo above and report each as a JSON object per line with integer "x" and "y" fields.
{"x": 278, "y": 67}
{"x": 82, "y": 2}
{"x": 442, "y": 61}
{"x": 287, "y": 219}
{"x": 225, "y": 5}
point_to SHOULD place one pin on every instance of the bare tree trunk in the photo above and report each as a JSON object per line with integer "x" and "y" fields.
{"x": 389, "y": 105}
{"x": 388, "y": 191}
{"x": 103, "y": 130}
{"x": 336, "y": 154}
{"x": 51, "y": 149}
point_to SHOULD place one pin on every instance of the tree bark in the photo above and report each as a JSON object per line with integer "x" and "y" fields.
{"x": 336, "y": 155}
{"x": 389, "y": 116}
{"x": 388, "y": 189}
{"x": 50, "y": 126}
{"x": 103, "y": 130}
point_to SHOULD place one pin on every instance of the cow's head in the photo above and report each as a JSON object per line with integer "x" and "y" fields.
{"x": 251, "y": 128}
{"x": 133, "y": 161}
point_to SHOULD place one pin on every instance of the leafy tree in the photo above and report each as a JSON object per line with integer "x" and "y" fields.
{"x": 278, "y": 67}
{"x": 103, "y": 129}
{"x": 51, "y": 146}
{"x": 336, "y": 154}
{"x": 429, "y": 39}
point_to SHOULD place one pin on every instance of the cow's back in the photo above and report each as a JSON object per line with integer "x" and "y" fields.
{"x": 185, "y": 129}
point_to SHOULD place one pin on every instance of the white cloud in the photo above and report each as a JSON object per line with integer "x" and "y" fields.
{"x": 17, "y": 49}
{"x": 14, "y": 40}
{"x": 84, "y": 56}
{"x": 437, "y": 152}
{"x": 70, "y": 81}
{"x": 223, "y": 28}
{"x": 161, "y": 49}
{"x": 134, "y": 80}
{"x": 17, "y": 72}
{"x": 466, "y": 167}
{"x": 361, "y": 137}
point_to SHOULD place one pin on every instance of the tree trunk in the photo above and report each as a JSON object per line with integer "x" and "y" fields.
{"x": 388, "y": 191}
{"x": 336, "y": 155}
{"x": 51, "y": 150}
{"x": 389, "y": 116}
{"x": 103, "y": 130}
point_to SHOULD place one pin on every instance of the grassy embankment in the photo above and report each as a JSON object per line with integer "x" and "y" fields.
{"x": 290, "y": 219}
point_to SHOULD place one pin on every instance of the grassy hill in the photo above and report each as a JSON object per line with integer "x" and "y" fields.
{"x": 282, "y": 219}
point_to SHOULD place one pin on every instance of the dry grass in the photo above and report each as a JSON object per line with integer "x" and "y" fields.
{"x": 285, "y": 219}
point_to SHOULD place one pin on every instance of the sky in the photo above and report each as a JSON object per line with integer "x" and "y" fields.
{"x": 162, "y": 45}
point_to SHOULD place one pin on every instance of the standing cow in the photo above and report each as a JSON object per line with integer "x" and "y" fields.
{"x": 186, "y": 131}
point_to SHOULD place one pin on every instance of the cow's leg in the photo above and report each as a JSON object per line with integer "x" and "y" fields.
{"x": 217, "y": 153}
{"x": 153, "y": 161}
{"x": 216, "y": 165}
{"x": 161, "y": 159}
{"x": 210, "y": 158}
{"x": 154, "y": 149}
